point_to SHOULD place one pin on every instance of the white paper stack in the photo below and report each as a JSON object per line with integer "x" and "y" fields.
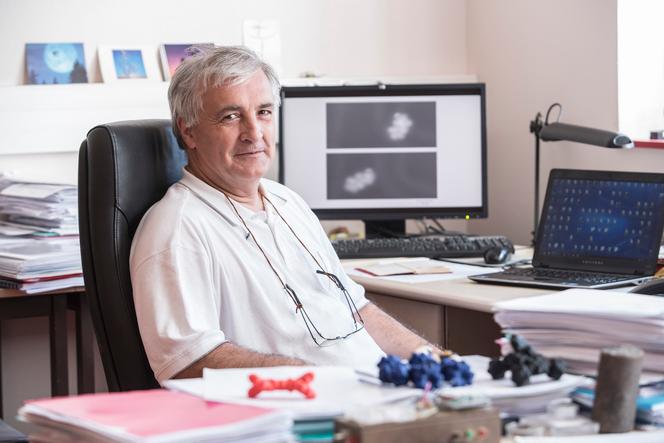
{"x": 40, "y": 264}
{"x": 38, "y": 208}
{"x": 509, "y": 398}
{"x": 576, "y": 324}
{"x": 337, "y": 388}
{"x": 39, "y": 246}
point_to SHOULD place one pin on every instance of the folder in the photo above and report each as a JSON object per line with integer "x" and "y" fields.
{"x": 156, "y": 415}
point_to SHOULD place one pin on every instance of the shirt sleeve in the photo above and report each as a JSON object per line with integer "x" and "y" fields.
{"x": 176, "y": 309}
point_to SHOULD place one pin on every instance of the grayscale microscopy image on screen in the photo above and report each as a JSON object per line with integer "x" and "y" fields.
{"x": 376, "y": 125}
{"x": 398, "y": 175}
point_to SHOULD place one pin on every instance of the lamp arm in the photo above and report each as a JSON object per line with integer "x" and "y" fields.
{"x": 581, "y": 134}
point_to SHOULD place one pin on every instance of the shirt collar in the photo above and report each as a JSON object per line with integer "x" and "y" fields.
{"x": 217, "y": 201}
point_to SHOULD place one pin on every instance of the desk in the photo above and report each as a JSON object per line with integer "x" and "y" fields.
{"x": 453, "y": 313}
{"x": 54, "y": 305}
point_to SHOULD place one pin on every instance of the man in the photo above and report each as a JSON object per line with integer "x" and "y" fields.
{"x": 233, "y": 270}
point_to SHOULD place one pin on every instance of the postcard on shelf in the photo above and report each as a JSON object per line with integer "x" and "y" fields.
{"x": 172, "y": 55}
{"x": 404, "y": 267}
{"x": 55, "y": 63}
{"x": 128, "y": 63}
{"x": 263, "y": 37}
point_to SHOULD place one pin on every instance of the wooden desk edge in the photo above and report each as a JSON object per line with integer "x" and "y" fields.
{"x": 9, "y": 293}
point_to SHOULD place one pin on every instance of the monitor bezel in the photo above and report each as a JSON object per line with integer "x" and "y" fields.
{"x": 382, "y": 90}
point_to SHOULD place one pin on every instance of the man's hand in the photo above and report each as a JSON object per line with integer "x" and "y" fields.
{"x": 230, "y": 355}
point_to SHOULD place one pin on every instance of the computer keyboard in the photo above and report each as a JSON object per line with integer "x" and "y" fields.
{"x": 582, "y": 278}
{"x": 453, "y": 246}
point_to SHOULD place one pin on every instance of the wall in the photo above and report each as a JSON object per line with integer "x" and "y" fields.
{"x": 337, "y": 38}
{"x": 532, "y": 54}
{"x": 342, "y": 38}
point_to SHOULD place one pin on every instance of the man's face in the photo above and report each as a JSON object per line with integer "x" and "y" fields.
{"x": 233, "y": 144}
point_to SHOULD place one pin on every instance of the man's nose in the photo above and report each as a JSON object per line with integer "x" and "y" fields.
{"x": 252, "y": 131}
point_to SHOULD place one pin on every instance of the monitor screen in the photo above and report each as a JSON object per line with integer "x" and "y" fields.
{"x": 598, "y": 216}
{"x": 386, "y": 151}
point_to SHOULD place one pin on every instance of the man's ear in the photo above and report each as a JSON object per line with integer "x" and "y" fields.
{"x": 186, "y": 133}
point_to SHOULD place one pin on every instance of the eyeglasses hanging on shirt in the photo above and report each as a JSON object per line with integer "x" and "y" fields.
{"x": 314, "y": 332}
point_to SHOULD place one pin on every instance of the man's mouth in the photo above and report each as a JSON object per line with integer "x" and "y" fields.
{"x": 248, "y": 153}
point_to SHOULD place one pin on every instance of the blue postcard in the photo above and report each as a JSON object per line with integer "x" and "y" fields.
{"x": 128, "y": 63}
{"x": 55, "y": 63}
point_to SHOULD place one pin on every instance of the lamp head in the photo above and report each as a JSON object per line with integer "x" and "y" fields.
{"x": 581, "y": 134}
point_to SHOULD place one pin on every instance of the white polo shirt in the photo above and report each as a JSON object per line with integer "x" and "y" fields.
{"x": 200, "y": 280}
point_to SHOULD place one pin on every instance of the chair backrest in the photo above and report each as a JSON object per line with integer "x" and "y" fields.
{"x": 124, "y": 168}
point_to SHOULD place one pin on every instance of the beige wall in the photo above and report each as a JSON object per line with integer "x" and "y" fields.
{"x": 343, "y": 38}
{"x": 531, "y": 54}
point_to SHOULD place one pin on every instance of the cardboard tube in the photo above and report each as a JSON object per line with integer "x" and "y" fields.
{"x": 617, "y": 388}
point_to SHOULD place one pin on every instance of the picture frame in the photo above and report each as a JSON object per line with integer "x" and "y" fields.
{"x": 172, "y": 54}
{"x": 55, "y": 63}
{"x": 264, "y": 38}
{"x": 128, "y": 63}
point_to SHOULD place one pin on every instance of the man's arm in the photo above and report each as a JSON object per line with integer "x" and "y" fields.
{"x": 230, "y": 355}
{"x": 391, "y": 336}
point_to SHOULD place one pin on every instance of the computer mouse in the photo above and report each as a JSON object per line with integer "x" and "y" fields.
{"x": 497, "y": 255}
{"x": 654, "y": 286}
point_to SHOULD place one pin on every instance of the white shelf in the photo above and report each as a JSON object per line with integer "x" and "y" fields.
{"x": 56, "y": 118}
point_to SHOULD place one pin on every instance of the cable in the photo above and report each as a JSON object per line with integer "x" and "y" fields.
{"x": 560, "y": 112}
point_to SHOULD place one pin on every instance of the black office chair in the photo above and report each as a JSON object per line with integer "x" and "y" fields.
{"x": 124, "y": 168}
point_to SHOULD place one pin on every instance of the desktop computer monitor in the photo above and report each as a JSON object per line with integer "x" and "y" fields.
{"x": 385, "y": 153}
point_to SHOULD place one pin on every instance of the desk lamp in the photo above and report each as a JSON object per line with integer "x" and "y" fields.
{"x": 556, "y": 131}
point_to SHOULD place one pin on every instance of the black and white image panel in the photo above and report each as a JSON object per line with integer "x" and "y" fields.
{"x": 381, "y": 175}
{"x": 381, "y": 125}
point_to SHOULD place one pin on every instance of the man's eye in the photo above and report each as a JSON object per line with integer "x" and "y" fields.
{"x": 265, "y": 112}
{"x": 231, "y": 117}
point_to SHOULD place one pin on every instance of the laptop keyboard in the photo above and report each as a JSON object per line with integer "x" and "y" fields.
{"x": 561, "y": 275}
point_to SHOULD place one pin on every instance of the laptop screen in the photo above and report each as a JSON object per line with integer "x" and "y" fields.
{"x": 603, "y": 221}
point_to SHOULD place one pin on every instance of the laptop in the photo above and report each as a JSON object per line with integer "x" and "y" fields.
{"x": 599, "y": 229}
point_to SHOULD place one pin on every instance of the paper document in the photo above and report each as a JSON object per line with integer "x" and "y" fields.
{"x": 337, "y": 389}
{"x": 589, "y": 301}
{"x": 455, "y": 271}
{"x": 416, "y": 266}
{"x": 509, "y": 398}
{"x": 34, "y": 190}
{"x": 576, "y": 324}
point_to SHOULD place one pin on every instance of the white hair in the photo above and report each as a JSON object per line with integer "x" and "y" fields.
{"x": 211, "y": 66}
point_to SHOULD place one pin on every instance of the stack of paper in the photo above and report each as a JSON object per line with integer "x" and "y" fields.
{"x": 576, "y": 324}
{"x": 39, "y": 247}
{"x": 337, "y": 388}
{"x": 43, "y": 208}
{"x": 152, "y": 416}
{"x": 40, "y": 264}
{"x": 510, "y": 399}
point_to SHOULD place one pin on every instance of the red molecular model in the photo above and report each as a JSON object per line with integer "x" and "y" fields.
{"x": 268, "y": 384}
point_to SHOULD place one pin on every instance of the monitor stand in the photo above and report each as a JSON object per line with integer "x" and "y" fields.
{"x": 384, "y": 228}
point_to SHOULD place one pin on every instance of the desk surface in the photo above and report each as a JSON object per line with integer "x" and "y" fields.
{"x": 460, "y": 292}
